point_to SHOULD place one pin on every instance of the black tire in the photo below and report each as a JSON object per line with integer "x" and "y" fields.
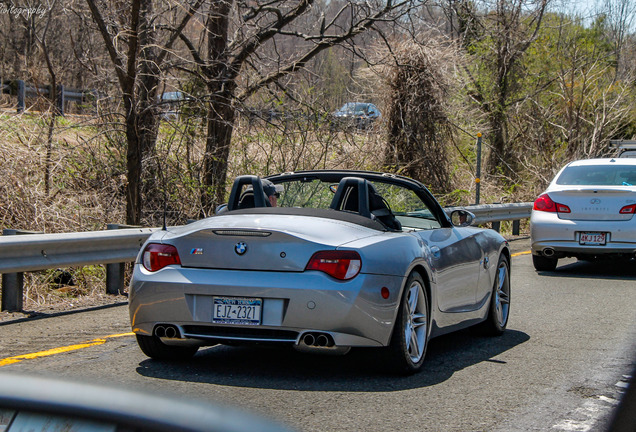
{"x": 411, "y": 330}
{"x": 154, "y": 348}
{"x": 499, "y": 310}
{"x": 542, "y": 263}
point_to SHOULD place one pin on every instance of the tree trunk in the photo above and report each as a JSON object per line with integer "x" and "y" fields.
{"x": 220, "y": 125}
{"x": 221, "y": 85}
{"x": 133, "y": 165}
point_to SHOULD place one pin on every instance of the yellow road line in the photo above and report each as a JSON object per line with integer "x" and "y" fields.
{"x": 521, "y": 253}
{"x": 53, "y": 351}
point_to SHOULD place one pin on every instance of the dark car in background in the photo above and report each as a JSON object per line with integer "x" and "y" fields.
{"x": 360, "y": 115}
{"x": 625, "y": 148}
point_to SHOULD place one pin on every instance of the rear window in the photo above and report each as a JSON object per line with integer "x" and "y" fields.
{"x": 600, "y": 175}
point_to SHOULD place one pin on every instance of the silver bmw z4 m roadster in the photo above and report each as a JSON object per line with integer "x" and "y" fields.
{"x": 339, "y": 259}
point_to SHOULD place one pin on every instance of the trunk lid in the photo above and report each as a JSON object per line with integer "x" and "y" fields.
{"x": 260, "y": 242}
{"x": 595, "y": 203}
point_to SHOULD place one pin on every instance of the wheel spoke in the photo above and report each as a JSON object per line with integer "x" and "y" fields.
{"x": 408, "y": 334}
{"x": 413, "y": 298}
{"x": 419, "y": 320}
{"x": 501, "y": 278}
{"x": 414, "y": 348}
{"x": 503, "y": 297}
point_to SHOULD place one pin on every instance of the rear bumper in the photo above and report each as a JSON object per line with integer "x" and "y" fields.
{"x": 549, "y": 234}
{"x": 571, "y": 248}
{"x": 353, "y": 313}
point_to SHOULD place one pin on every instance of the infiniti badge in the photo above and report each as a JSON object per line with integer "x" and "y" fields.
{"x": 595, "y": 201}
{"x": 240, "y": 248}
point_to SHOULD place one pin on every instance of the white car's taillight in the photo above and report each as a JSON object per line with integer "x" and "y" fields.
{"x": 628, "y": 209}
{"x": 156, "y": 256}
{"x": 545, "y": 203}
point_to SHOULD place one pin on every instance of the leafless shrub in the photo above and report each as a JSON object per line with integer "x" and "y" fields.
{"x": 418, "y": 120}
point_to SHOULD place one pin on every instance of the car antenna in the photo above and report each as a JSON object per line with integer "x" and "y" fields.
{"x": 165, "y": 210}
{"x": 164, "y": 226}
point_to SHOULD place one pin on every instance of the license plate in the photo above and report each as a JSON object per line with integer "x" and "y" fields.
{"x": 593, "y": 238}
{"x": 233, "y": 310}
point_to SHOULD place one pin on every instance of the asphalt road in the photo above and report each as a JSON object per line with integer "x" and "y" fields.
{"x": 560, "y": 365}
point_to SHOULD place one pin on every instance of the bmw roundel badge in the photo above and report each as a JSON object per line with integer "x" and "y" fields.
{"x": 240, "y": 248}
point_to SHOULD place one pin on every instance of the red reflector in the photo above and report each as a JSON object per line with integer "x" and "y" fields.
{"x": 156, "y": 256}
{"x": 628, "y": 209}
{"x": 385, "y": 293}
{"x": 343, "y": 265}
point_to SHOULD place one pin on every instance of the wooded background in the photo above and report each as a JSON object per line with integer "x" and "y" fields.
{"x": 544, "y": 84}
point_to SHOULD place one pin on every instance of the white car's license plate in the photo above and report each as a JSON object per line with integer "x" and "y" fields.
{"x": 593, "y": 238}
{"x": 234, "y": 310}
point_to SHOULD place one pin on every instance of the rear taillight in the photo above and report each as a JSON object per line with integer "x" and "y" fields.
{"x": 628, "y": 209}
{"x": 156, "y": 256}
{"x": 342, "y": 265}
{"x": 545, "y": 203}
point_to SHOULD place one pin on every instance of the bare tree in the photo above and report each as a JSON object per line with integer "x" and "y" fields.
{"x": 252, "y": 45}
{"x": 418, "y": 124}
{"x": 496, "y": 34}
{"x": 131, "y": 39}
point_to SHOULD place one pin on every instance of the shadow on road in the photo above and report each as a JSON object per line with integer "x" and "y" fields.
{"x": 362, "y": 370}
{"x": 602, "y": 269}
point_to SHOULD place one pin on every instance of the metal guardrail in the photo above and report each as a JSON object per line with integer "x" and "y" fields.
{"x": 63, "y": 94}
{"x": 31, "y": 252}
{"x": 495, "y": 213}
{"x": 114, "y": 247}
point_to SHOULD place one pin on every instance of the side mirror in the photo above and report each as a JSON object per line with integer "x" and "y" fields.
{"x": 462, "y": 218}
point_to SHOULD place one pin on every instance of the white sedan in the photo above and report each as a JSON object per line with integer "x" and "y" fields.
{"x": 587, "y": 212}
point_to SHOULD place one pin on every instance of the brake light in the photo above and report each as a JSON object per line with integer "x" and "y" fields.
{"x": 628, "y": 209}
{"x": 156, "y": 256}
{"x": 342, "y": 265}
{"x": 545, "y": 203}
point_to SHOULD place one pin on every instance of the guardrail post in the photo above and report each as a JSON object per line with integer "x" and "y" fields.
{"x": 115, "y": 272}
{"x": 21, "y": 90}
{"x": 12, "y": 291}
{"x": 496, "y": 225}
{"x": 13, "y": 283}
{"x": 516, "y": 224}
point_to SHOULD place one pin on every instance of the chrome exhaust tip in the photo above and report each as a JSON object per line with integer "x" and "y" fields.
{"x": 322, "y": 340}
{"x": 548, "y": 252}
{"x": 309, "y": 339}
{"x": 171, "y": 332}
{"x": 160, "y": 331}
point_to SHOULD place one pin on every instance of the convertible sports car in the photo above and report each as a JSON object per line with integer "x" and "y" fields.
{"x": 346, "y": 259}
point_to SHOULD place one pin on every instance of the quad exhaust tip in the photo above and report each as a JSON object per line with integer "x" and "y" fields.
{"x": 318, "y": 340}
{"x": 166, "y": 331}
